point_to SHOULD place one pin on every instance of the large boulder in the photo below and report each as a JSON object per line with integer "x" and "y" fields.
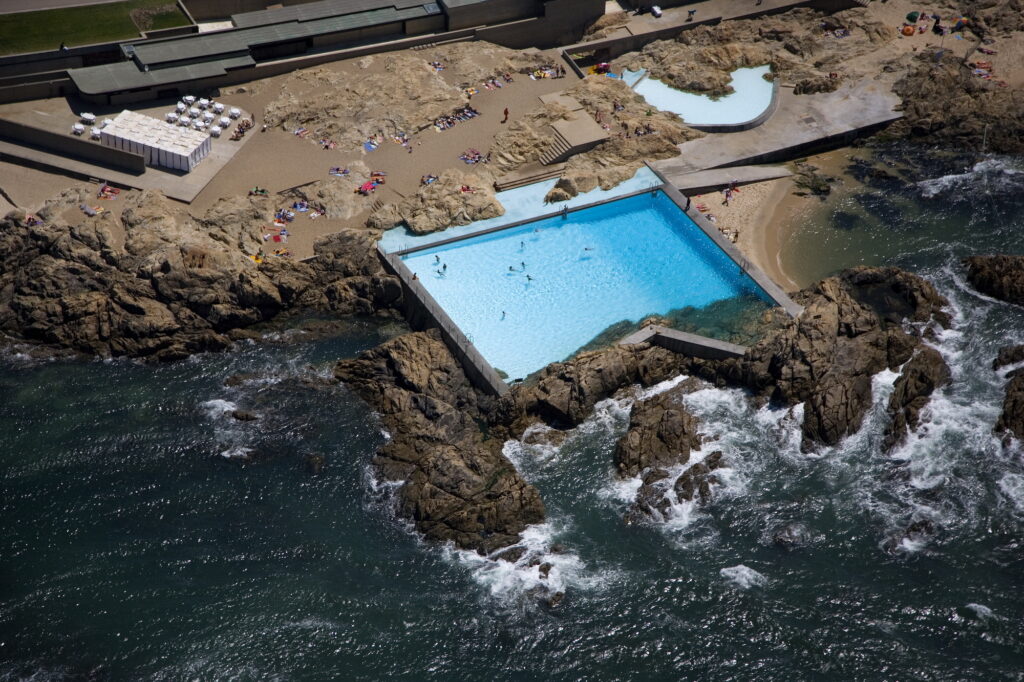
{"x": 1011, "y": 419}
{"x": 920, "y": 377}
{"x": 456, "y": 486}
{"x": 999, "y": 276}
{"x": 661, "y": 433}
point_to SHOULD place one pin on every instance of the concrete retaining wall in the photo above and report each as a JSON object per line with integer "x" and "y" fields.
{"x": 71, "y": 146}
{"x": 423, "y": 312}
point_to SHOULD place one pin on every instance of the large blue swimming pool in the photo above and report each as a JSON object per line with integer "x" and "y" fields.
{"x": 537, "y": 293}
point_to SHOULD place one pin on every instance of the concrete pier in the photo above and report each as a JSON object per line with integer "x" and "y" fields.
{"x": 684, "y": 343}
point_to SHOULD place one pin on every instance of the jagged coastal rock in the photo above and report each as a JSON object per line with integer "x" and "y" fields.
{"x": 661, "y": 433}
{"x": 999, "y": 276}
{"x": 921, "y": 376}
{"x": 659, "y": 440}
{"x": 174, "y": 287}
{"x": 456, "y": 485}
{"x": 851, "y": 329}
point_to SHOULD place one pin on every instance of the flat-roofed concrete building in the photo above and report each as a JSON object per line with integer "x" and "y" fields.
{"x": 167, "y": 67}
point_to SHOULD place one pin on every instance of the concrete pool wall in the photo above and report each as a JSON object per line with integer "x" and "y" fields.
{"x": 422, "y": 311}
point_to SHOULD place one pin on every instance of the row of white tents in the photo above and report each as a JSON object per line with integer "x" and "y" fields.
{"x": 161, "y": 143}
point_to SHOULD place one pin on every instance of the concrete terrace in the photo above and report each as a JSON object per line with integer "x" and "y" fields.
{"x": 802, "y": 123}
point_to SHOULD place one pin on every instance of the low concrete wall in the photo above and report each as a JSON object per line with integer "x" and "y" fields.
{"x": 684, "y": 343}
{"x": 60, "y": 87}
{"x": 71, "y": 146}
{"x": 423, "y": 312}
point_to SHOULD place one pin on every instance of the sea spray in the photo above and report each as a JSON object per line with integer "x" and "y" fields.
{"x": 743, "y": 577}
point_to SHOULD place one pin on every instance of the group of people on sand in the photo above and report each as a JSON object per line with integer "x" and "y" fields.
{"x": 548, "y": 71}
{"x": 472, "y": 156}
{"x": 243, "y": 125}
{"x": 638, "y": 131}
{"x": 107, "y": 192}
{"x": 377, "y": 178}
{"x": 450, "y": 120}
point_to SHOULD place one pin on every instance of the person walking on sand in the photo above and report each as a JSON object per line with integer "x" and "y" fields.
{"x": 505, "y": 120}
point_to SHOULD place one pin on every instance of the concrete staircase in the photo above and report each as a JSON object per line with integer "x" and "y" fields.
{"x": 559, "y": 149}
{"x": 529, "y": 174}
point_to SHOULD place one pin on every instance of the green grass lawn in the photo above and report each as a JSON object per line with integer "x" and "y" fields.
{"x": 45, "y": 30}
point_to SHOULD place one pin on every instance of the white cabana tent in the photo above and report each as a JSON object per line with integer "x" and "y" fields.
{"x": 164, "y": 145}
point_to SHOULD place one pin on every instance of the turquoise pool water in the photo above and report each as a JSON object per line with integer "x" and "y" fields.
{"x": 521, "y": 203}
{"x": 752, "y": 96}
{"x": 537, "y": 293}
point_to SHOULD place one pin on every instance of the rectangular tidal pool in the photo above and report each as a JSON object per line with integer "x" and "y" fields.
{"x": 534, "y": 294}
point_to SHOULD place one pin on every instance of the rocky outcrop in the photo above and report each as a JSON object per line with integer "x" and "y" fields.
{"x": 944, "y": 102}
{"x": 924, "y": 373}
{"x": 565, "y": 393}
{"x": 661, "y": 433}
{"x": 176, "y": 287}
{"x": 810, "y": 180}
{"x": 1000, "y": 276}
{"x": 851, "y": 328}
{"x": 1008, "y": 355}
{"x": 660, "y": 438}
{"x": 456, "y": 485}
{"x": 659, "y": 489}
{"x": 455, "y": 198}
{"x": 389, "y": 93}
{"x": 1011, "y": 419}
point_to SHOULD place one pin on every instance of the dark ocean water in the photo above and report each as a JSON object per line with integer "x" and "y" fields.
{"x": 132, "y": 548}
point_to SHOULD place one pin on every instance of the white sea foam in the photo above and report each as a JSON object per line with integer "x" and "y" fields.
{"x": 236, "y": 452}
{"x": 1012, "y": 487}
{"x": 743, "y": 577}
{"x": 999, "y": 174}
{"x": 983, "y": 612}
{"x": 217, "y": 407}
{"x": 507, "y": 581}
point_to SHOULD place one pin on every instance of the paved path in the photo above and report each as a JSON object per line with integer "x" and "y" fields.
{"x": 13, "y": 6}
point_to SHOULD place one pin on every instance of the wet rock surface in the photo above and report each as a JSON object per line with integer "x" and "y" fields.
{"x": 661, "y": 433}
{"x": 456, "y": 485}
{"x": 851, "y": 328}
{"x": 998, "y": 276}
{"x": 920, "y": 377}
{"x": 1011, "y": 417}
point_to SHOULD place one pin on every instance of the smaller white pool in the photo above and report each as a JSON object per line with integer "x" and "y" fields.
{"x": 752, "y": 96}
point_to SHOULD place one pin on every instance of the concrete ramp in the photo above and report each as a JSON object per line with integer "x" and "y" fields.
{"x": 802, "y": 124}
{"x": 700, "y": 182}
